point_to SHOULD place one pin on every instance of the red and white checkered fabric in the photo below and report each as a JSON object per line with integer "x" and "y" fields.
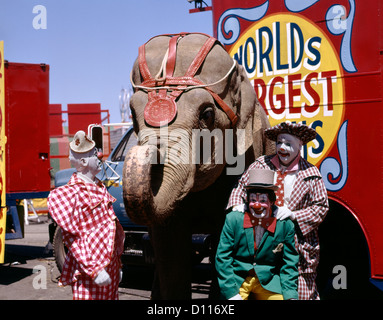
{"x": 85, "y": 289}
{"x": 309, "y": 202}
{"x": 91, "y": 232}
{"x": 307, "y": 288}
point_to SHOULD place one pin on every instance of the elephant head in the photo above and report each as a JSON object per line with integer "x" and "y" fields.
{"x": 185, "y": 86}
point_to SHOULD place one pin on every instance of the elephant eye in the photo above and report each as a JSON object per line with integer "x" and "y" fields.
{"x": 207, "y": 117}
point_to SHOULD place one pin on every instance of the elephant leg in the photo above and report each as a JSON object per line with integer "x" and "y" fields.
{"x": 172, "y": 252}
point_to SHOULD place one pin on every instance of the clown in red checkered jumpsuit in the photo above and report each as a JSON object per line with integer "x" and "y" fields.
{"x": 304, "y": 199}
{"x": 83, "y": 209}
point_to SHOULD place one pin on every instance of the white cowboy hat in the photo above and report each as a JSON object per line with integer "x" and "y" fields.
{"x": 81, "y": 143}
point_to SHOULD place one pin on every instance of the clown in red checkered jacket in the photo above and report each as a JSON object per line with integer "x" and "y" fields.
{"x": 302, "y": 197}
{"x": 91, "y": 231}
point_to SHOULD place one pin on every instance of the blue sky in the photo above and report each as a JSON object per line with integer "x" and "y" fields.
{"x": 91, "y": 45}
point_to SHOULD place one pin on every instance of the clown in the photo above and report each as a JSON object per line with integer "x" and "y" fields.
{"x": 256, "y": 253}
{"x": 91, "y": 231}
{"x": 301, "y": 197}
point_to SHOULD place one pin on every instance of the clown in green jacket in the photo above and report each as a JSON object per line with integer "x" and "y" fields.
{"x": 256, "y": 253}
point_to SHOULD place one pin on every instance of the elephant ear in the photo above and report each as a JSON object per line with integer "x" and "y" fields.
{"x": 252, "y": 118}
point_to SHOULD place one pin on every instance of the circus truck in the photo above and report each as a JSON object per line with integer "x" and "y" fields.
{"x": 319, "y": 62}
{"x": 24, "y": 142}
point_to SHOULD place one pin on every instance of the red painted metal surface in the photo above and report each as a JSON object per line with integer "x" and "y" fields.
{"x": 195, "y": 10}
{"x": 81, "y": 115}
{"x": 55, "y": 120}
{"x": 27, "y": 127}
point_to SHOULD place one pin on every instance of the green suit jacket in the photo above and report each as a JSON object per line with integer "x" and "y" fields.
{"x": 277, "y": 272}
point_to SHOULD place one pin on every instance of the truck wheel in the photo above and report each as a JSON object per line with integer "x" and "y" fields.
{"x": 59, "y": 250}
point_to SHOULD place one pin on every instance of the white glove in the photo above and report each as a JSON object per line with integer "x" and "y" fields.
{"x": 239, "y": 207}
{"x": 102, "y": 279}
{"x": 236, "y": 297}
{"x": 285, "y": 213}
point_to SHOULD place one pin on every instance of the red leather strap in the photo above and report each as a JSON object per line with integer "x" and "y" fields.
{"x": 142, "y": 63}
{"x": 185, "y": 81}
{"x": 200, "y": 58}
{"x": 230, "y": 113}
{"x": 170, "y": 64}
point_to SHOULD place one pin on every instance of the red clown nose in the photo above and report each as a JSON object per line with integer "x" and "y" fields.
{"x": 255, "y": 205}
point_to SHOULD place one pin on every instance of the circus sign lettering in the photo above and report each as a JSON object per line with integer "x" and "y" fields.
{"x": 297, "y": 75}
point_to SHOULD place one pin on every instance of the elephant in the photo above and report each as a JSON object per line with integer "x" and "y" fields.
{"x": 184, "y": 86}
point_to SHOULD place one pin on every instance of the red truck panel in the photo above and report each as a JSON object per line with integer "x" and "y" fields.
{"x": 27, "y": 127}
{"x": 81, "y": 115}
{"x": 55, "y": 120}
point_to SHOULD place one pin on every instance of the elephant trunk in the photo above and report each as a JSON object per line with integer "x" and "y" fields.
{"x": 152, "y": 190}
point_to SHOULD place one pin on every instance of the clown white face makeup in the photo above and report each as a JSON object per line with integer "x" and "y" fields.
{"x": 94, "y": 163}
{"x": 87, "y": 164}
{"x": 259, "y": 205}
{"x": 288, "y": 148}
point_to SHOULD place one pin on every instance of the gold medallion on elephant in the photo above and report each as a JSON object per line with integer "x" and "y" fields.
{"x": 160, "y": 110}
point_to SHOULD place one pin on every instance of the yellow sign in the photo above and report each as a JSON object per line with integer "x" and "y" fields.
{"x": 296, "y": 73}
{"x": 3, "y": 209}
